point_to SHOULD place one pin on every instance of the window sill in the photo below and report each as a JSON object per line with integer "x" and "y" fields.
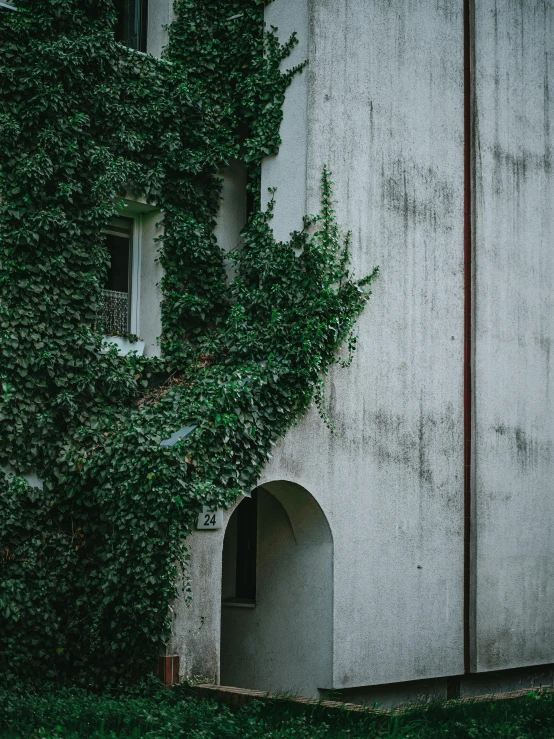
{"x": 143, "y": 53}
{"x": 238, "y": 603}
{"x": 124, "y": 346}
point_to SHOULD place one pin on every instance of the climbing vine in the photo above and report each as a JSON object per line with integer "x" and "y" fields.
{"x": 88, "y": 561}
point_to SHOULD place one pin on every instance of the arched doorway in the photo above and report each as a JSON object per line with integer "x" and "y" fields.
{"x": 277, "y": 593}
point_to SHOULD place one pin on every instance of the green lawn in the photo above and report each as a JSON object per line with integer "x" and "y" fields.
{"x": 175, "y": 713}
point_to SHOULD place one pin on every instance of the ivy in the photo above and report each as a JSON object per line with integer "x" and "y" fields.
{"x": 88, "y": 563}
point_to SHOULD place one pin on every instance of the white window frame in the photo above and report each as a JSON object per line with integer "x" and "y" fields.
{"x": 134, "y": 278}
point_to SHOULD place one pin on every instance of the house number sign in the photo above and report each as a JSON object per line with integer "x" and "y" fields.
{"x": 210, "y": 520}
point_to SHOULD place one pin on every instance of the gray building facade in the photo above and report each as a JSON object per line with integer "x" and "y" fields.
{"x": 414, "y": 552}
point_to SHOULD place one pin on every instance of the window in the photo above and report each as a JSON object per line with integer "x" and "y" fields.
{"x": 132, "y": 22}
{"x": 120, "y": 293}
{"x": 238, "y": 585}
{"x": 247, "y": 540}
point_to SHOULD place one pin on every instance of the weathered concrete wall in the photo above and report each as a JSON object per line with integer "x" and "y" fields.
{"x": 285, "y": 643}
{"x": 287, "y": 170}
{"x": 385, "y": 112}
{"x": 513, "y": 544}
{"x": 382, "y": 105}
{"x": 160, "y": 15}
{"x": 195, "y": 634}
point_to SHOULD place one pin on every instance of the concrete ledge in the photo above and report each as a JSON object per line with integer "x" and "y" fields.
{"x": 238, "y": 697}
{"x": 501, "y": 696}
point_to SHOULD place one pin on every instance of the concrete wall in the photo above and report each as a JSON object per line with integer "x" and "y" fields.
{"x": 285, "y": 642}
{"x": 382, "y": 105}
{"x": 160, "y": 15}
{"x": 195, "y": 633}
{"x": 288, "y": 169}
{"x": 513, "y": 542}
{"x": 385, "y": 112}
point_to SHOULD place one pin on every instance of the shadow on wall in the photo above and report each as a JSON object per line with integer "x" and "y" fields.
{"x": 277, "y": 593}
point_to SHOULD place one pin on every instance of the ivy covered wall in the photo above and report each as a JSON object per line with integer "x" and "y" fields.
{"x": 88, "y": 563}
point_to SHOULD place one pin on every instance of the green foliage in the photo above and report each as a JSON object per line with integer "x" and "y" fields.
{"x": 88, "y": 565}
{"x": 156, "y": 713}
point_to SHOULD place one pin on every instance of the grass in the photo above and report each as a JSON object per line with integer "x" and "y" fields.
{"x": 156, "y": 713}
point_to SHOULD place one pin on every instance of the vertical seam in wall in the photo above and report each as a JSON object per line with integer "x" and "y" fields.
{"x": 474, "y": 171}
{"x": 467, "y": 332}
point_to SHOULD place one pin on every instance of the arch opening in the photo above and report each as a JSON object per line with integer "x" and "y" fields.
{"x": 277, "y": 593}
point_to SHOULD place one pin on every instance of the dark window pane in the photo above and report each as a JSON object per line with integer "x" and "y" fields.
{"x": 247, "y": 525}
{"x": 116, "y": 303}
{"x": 118, "y": 271}
{"x": 132, "y": 21}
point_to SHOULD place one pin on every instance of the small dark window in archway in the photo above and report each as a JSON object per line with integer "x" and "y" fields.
{"x": 247, "y": 526}
{"x": 131, "y": 24}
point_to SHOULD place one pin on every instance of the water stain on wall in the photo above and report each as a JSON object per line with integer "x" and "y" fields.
{"x": 419, "y": 195}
